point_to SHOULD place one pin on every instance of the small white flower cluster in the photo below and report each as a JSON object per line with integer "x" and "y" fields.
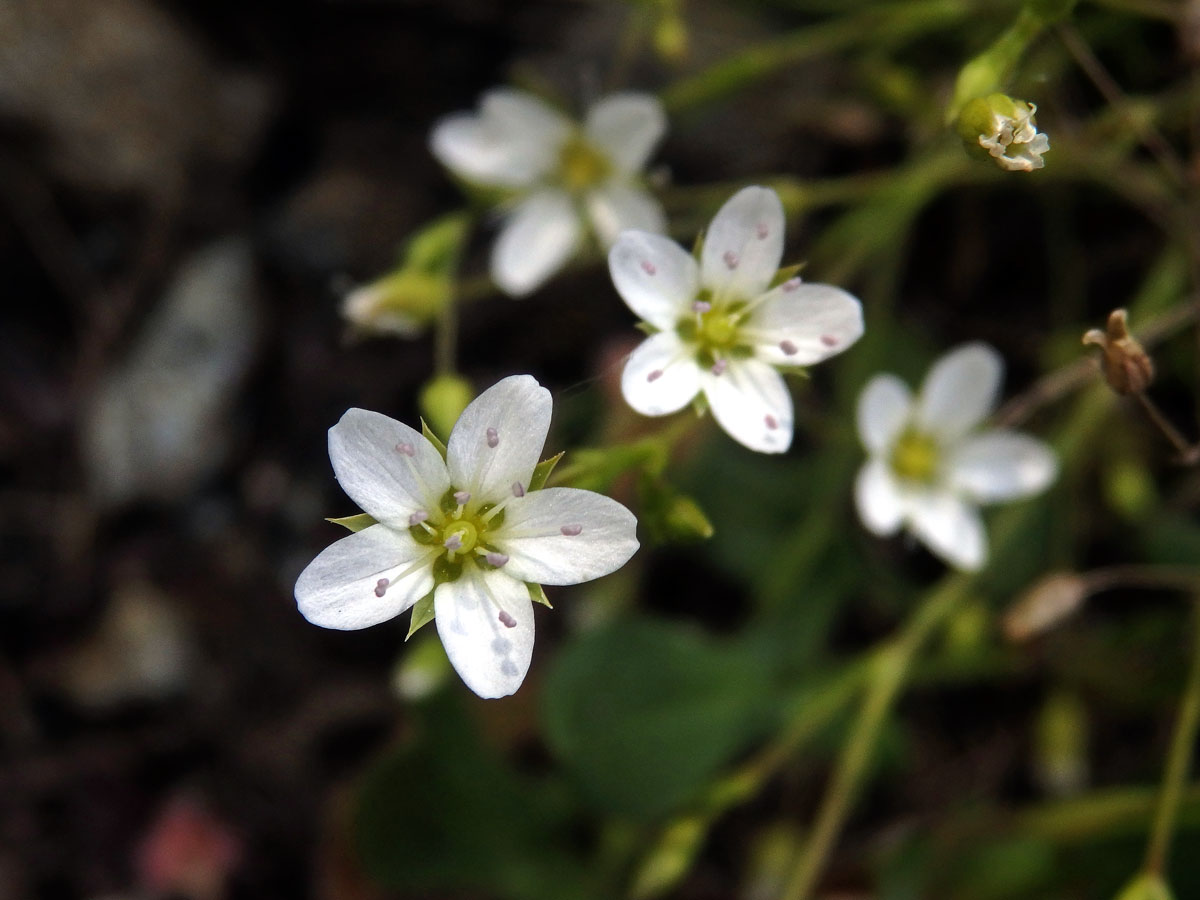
{"x": 462, "y": 533}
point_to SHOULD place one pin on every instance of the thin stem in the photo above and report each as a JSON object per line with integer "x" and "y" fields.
{"x": 445, "y": 338}
{"x": 889, "y": 670}
{"x": 1179, "y": 761}
{"x": 1189, "y": 454}
{"x": 1150, "y": 136}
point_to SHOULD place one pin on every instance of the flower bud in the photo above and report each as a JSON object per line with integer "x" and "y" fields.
{"x": 1050, "y": 601}
{"x": 671, "y": 37}
{"x": 1060, "y": 760}
{"x": 1126, "y": 366}
{"x": 1002, "y": 129}
{"x": 442, "y": 400}
{"x": 670, "y": 516}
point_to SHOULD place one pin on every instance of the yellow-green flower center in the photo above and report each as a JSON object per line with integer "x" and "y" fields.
{"x": 580, "y": 165}
{"x": 714, "y": 330}
{"x": 915, "y": 456}
{"x": 459, "y": 533}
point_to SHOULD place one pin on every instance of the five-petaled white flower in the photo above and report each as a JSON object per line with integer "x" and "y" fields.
{"x": 929, "y": 470}
{"x": 561, "y": 175}
{"x": 467, "y": 529}
{"x": 721, "y": 327}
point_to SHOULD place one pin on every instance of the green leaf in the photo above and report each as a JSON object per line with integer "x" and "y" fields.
{"x": 537, "y": 594}
{"x": 422, "y": 614}
{"x": 541, "y": 472}
{"x": 356, "y": 522}
{"x": 444, "y": 814}
{"x": 642, "y": 714}
{"x": 433, "y": 438}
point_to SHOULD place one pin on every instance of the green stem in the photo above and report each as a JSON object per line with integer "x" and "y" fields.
{"x": 889, "y": 669}
{"x": 1179, "y": 761}
{"x": 445, "y": 339}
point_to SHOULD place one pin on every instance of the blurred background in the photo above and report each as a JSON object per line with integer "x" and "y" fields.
{"x": 187, "y": 190}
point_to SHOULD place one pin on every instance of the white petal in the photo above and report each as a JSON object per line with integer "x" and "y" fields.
{"x": 341, "y": 587}
{"x": 619, "y": 206}
{"x": 1002, "y": 465}
{"x": 884, "y": 407}
{"x": 949, "y": 526}
{"x": 661, "y": 376}
{"x": 370, "y": 456}
{"x": 490, "y": 657}
{"x": 960, "y": 390}
{"x": 744, "y": 244}
{"x": 751, "y": 402}
{"x": 498, "y": 439}
{"x": 538, "y": 238}
{"x": 565, "y": 536}
{"x": 802, "y": 324}
{"x": 878, "y": 498}
{"x": 655, "y": 277}
{"x": 514, "y": 140}
{"x": 627, "y": 127}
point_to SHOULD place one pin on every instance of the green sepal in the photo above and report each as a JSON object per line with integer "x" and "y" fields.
{"x": 700, "y": 404}
{"x": 800, "y": 371}
{"x": 787, "y": 273}
{"x": 422, "y": 614}
{"x": 541, "y": 472}
{"x": 698, "y": 246}
{"x": 646, "y": 328}
{"x": 538, "y": 594}
{"x": 433, "y": 438}
{"x": 355, "y": 523}
{"x": 435, "y": 249}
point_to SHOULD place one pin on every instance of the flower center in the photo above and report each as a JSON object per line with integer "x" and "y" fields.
{"x": 713, "y": 329}
{"x": 459, "y": 536}
{"x": 580, "y": 165}
{"x": 915, "y": 456}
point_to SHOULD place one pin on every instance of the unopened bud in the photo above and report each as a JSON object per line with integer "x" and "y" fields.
{"x": 1060, "y": 752}
{"x": 671, "y": 38}
{"x": 1126, "y": 366}
{"x": 1049, "y": 602}
{"x": 402, "y": 303}
{"x": 442, "y": 400}
{"x": 686, "y": 521}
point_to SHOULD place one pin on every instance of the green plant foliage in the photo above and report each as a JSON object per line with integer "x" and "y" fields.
{"x": 642, "y": 713}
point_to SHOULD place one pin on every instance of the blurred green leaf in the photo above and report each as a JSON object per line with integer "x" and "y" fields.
{"x": 643, "y": 713}
{"x": 445, "y": 813}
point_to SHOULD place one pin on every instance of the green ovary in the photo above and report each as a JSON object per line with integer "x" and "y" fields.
{"x": 715, "y": 333}
{"x": 915, "y": 456}
{"x": 466, "y": 532}
{"x": 450, "y": 521}
{"x": 582, "y": 166}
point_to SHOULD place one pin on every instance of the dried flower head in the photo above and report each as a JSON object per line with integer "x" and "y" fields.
{"x": 1126, "y": 366}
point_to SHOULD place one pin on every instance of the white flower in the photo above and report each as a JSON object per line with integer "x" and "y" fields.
{"x": 929, "y": 468}
{"x": 722, "y": 328}
{"x": 563, "y": 176}
{"x": 1013, "y": 140}
{"x": 467, "y": 529}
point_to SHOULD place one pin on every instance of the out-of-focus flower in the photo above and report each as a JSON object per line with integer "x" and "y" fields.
{"x": 188, "y": 852}
{"x": 929, "y": 468}
{"x": 1005, "y": 129}
{"x": 463, "y": 537}
{"x": 722, "y": 329}
{"x": 563, "y": 177}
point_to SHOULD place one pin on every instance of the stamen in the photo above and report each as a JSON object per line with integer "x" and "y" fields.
{"x": 381, "y": 587}
{"x": 720, "y": 366}
{"x": 493, "y": 438}
{"x": 655, "y": 375}
{"x": 518, "y": 489}
{"x": 791, "y": 284}
{"x": 789, "y": 347}
{"x": 496, "y": 559}
{"x": 406, "y": 449}
{"x": 418, "y": 517}
{"x": 701, "y": 306}
{"x": 829, "y": 340}
{"x": 454, "y": 542}
{"x": 571, "y": 530}
{"x": 506, "y": 620}
{"x": 462, "y": 497}
{"x": 771, "y": 421}
{"x": 731, "y": 259}
{"x": 762, "y": 231}
{"x": 648, "y": 267}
